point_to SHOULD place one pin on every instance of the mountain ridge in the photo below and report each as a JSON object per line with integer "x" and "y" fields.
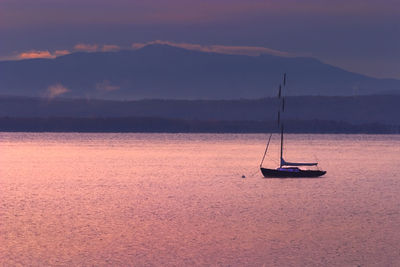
{"x": 163, "y": 71}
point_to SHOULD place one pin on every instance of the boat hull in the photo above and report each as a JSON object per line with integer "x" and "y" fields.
{"x": 276, "y": 173}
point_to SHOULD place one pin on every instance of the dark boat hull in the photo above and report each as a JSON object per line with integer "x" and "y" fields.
{"x": 275, "y": 173}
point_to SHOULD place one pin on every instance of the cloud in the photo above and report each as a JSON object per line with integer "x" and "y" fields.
{"x": 96, "y": 47}
{"x": 86, "y": 47}
{"x": 79, "y": 47}
{"x": 106, "y": 86}
{"x": 42, "y": 54}
{"x": 35, "y": 54}
{"x": 139, "y": 45}
{"x": 109, "y": 48}
{"x": 56, "y": 90}
{"x": 61, "y": 53}
{"x": 223, "y": 49}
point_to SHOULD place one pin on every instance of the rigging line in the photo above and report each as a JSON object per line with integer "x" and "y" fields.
{"x": 284, "y": 79}
{"x": 280, "y": 91}
{"x": 252, "y": 175}
{"x": 265, "y": 152}
{"x": 316, "y": 159}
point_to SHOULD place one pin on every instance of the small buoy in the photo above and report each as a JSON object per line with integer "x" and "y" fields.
{"x": 243, "y": 176}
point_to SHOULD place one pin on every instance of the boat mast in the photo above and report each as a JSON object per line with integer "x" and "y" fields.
{"x": 282, "y": 108}
{"x": 281, "y": 160}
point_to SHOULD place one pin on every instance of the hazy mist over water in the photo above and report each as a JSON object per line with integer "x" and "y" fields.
{"x": 179, "y": 199}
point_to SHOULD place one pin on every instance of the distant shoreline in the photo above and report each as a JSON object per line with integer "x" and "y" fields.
{"x": 357, "y": 110}
{"x": 162, "y": 125}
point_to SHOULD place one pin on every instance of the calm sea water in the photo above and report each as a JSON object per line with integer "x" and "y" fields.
{"x": 179, "y": 200}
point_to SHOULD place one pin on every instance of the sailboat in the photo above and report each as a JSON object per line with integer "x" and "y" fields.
{"x": 286, "y": 169}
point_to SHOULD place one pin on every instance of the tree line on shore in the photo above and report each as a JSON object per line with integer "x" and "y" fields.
{"x": 165, "y": 125}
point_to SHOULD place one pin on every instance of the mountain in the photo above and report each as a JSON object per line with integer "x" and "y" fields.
{"x": 162, "y": 71}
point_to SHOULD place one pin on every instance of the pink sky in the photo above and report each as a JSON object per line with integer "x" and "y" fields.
{"x": 20, "y": 13}
{"x": 358, "y": 35}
